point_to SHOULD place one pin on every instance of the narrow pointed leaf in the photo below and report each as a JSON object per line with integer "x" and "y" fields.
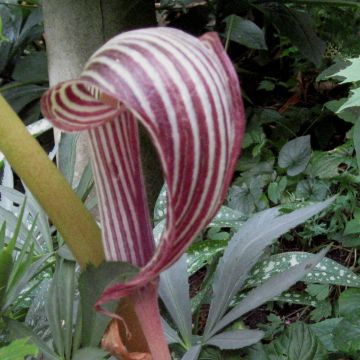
{"x": 235, "y": 339}
{"x": 245, "y": 249}
{"x": 193, "y": 353}
{"x": 171, "y": 335}
{"x": 174, "y": 292}
{"x": 186, "y": 94}
{"x": 273, "y": 287}
{"x": 20, "y": 330}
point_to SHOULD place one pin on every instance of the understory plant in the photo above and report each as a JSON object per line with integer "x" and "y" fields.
{"x": 185, "y": 92}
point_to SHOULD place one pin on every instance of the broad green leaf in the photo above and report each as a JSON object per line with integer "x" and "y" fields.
{"x": 20, "y": 95}
{"x": 31, "y": 68}
{"x": 245, "y": 32}
{"x": 289, "y": 297}
{"x": 323, "y": 310}
{"x": 276, "y": 189}
{"x": 225, "y": 217}
{"x": 326, "y": 272}
{"x": 18, "y": 350}
{"x": 319, "y": 291}
{"x": 92, "y": 283}
{"x": 245, "y": 249}
{"x": 324, "y": 165}
{"x": 347, "y": 336}
{"x": 11, "y": 25}
{"x": 332, "y": 71}
{"x": 174, "y": 292}
{"x": 257, "y": 352}
{"x": 235, "y": 339}
{"x": 298, "y": 26}
{"x": 351, "y": 114}
{"x": 352, "y": 226}
{"x": 352, "y": 101}
{"x": 349, "y": 304}
{"x": 201, "y": 253}
{"x": 298, "y": 342}
{"x": 295, "y": 155}
{"x": 324, "y": 330}
{"x": 245, "y": 198}
{"x": 312, "y": 190}
{"x": 351, "y": 73}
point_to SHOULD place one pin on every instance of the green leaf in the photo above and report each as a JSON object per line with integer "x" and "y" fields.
{"x": 92, "y": 283}
{"x": 322, "y": 311}
{"x": 20, "y": 330}
{"x": 235, "y": 339}
{"x": 266, "y": 85}
{"x": 352, "y": 101}
{"x": 352, "y": 226}
{"x": 225, "y": 217}
{"x": 324, "y": 165}
{"x": 60, "y": 306}
{"x": 89, "y": 353}
{"x": 244, "y": 250}
{"x": 312, "y": 190}
{"x": 295, "y": 155}
{"x": 298, "y": 26}
{"x": 31, "y": 68}
{"x": 298, "y": 342}
{"x": 332, "y": 71}
{"x": 321, "y": 292}
{"x": 202, "y": 253}
{"x": 67, "y": 154}
{"x": 18, "y": 350}
{"x": 276, "y": 189}
{"x": 351, "y": 114}
{"x": 19, "y": 95}
{"x": 174, "y": 292}
{"x": 349, "y": 304}
{"x": 356, "y": 140}
{"x": 352, "y": 72}
{"x": 6, "y": 264}
{"x": 245, "y": 32}
{"x": 347, "y": 336}
{"x": 324, "y": 330}
{"x": 326, "y": 272}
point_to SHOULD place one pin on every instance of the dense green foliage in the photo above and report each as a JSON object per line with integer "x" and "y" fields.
{"x": 299, "y": 65}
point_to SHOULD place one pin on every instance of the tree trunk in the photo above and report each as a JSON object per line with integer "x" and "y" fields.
{"x": 73, "y": 31}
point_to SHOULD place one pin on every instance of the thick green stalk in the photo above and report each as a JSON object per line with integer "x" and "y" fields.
{"x": 65, "y": 209}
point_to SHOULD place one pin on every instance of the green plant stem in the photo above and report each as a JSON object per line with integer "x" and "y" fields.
{"x": 50, "y": 188}
{"x": 226, "y": 46}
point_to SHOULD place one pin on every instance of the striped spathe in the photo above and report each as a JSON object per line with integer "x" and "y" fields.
{"x": 185, "y": 92}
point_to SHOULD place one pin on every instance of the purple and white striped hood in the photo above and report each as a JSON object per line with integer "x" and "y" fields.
{"x": 185, "y": 92}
